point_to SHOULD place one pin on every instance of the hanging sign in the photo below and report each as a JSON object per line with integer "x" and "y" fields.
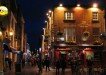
{"x": 3, "y": 11}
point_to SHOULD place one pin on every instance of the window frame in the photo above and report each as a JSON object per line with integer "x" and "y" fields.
{"x": 95, "y": 16}
{"x": 68, "y": 15}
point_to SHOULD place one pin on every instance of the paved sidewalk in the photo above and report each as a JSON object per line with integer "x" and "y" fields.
{"x": 34, "y": 71}
{"x": 28, "y": 70}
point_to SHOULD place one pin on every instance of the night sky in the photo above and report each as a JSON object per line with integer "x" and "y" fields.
{"x": 34, "y": 12}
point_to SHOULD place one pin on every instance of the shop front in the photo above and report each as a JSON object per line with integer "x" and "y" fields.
{"x": 91, "y": 52}
{"x": 61, "y": 50}
{"x": 67, "y": 52}
{"x": 81, "y": 52}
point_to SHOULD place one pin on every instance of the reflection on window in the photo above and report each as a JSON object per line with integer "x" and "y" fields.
{"x": 69, "y": 15}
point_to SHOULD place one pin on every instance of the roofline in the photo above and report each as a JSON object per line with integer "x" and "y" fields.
{"x": 100, "y": 6}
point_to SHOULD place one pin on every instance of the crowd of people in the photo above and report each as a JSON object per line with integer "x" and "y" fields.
{"x": 35, "y": 60}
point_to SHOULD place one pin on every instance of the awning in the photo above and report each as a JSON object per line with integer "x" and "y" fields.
{"x": 63, "y": 49}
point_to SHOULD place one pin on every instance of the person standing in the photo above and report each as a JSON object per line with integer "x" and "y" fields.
{"x": 89, "y": 65}
{"x": 39, "y": 63}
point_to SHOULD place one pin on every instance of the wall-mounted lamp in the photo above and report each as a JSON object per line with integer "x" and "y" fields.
{"x": 11, "y": 33}
{"x": 78, "y": 5}
{"x": 0, "y": 33}
{"x": 60, "y": 5}
{"x": 95, "y": 5}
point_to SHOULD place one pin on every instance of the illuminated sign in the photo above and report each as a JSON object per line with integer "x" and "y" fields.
{"x": 88, "y": 53}
{"x": 3, "y": 11}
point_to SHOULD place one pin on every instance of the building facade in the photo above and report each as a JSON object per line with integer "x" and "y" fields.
{"x": 78, "y": 24}
{"x": 13, "y": 31}
{"x": 75, "y": 28}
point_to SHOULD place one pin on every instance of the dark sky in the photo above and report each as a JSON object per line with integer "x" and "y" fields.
{"x": 34, "y": 12}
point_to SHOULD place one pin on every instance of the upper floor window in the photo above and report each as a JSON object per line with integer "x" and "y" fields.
{"x": 95, "y": 16}
{"x": 69, "y": 15}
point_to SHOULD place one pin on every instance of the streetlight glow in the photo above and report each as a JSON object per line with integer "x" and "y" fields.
{"x": 11, "y": 33}
{"x": 78, "y": 5}
{"x": 0, "y": 33}
{"x": 45, "y": 21}
{"x": 47, "y": 14}
{"x": 61, "y": 5}
{"x": 95, "y": 5}
{"x": 50, "y": 11}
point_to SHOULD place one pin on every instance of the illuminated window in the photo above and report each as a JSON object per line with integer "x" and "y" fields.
{"x": 95, "y": 16}
{"x": 70, "y": 34}
{"x": 69, "y": 15}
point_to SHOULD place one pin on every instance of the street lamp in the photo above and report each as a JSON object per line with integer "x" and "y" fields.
{"x": 60, "y": 5}
{"x": 50, "y": 11}
{"x": 0, "y": 33}
{"x": 94, "y": 7}
{"x": 11, "y": 33}
{"x": 78, "y": 5}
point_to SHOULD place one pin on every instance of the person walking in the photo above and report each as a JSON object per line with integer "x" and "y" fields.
{"x": 9, "y": 63}
{"x": 39, "y": 63}
{"x": 58, "y": 65}
{"x": 23, "y": 63}
{"x": 43, "y": 63}
{"x": 47, "y": 63}
{"x": 63, "y": 65}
